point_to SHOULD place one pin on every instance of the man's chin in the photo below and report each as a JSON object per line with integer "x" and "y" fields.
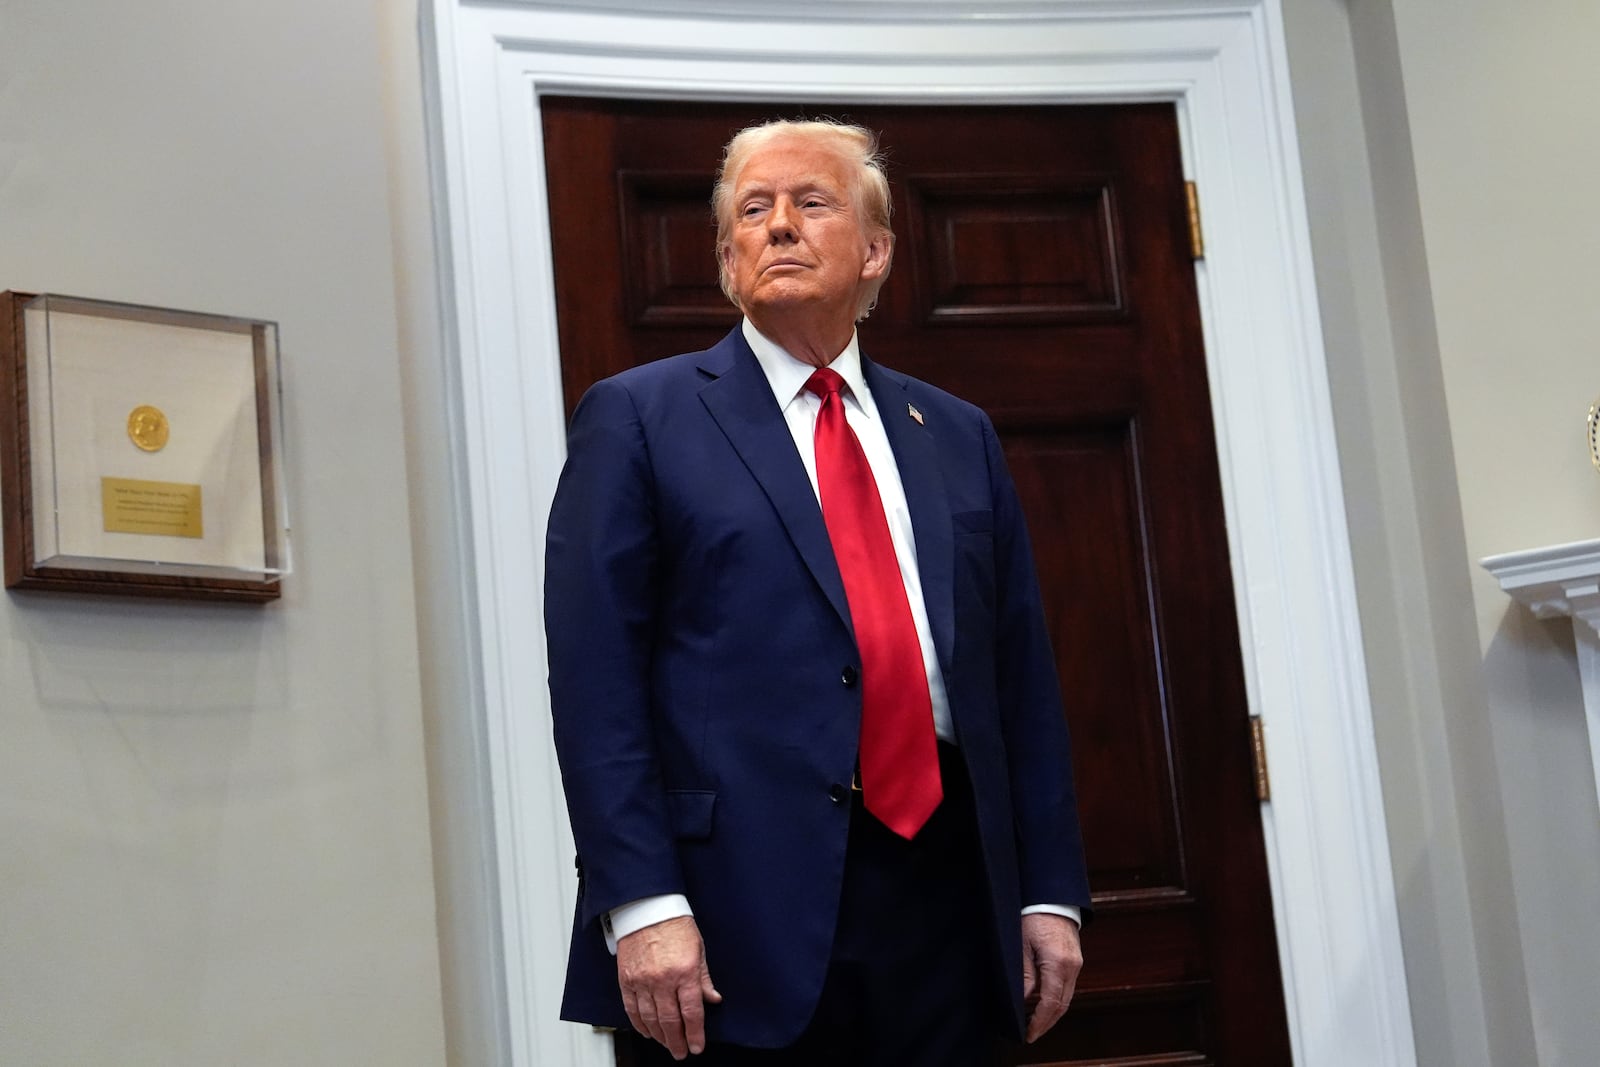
{"x": 784, "y": 298}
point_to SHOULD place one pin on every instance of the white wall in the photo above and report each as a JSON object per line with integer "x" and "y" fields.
{"x": 214, "y": 818}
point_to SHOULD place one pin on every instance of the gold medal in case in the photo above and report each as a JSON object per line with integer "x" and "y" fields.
{"x": 147, "y": 428}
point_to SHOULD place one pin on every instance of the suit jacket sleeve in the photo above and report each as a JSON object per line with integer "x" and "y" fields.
{"x": 1033, "y": 724}
{"x": 601, "y": 579}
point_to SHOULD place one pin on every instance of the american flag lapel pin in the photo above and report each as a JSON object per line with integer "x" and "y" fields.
{"x": 911, "y": 410}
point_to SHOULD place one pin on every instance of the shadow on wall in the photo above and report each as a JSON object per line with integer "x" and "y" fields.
{"x": 172, "y": 693}
{"x": 1552, "y": 821}
{"x": 150, "y": 657}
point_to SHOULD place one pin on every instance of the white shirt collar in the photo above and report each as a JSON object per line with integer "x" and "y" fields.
{"x": 787, "y": 376}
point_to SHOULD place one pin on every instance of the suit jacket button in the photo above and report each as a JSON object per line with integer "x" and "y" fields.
{"x": 848, "y": 676}
{"x": 838, "y": 794}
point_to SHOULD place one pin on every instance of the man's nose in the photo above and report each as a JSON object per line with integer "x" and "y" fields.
{"x": 781, "y": 222}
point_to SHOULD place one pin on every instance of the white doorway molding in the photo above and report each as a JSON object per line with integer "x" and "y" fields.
{"x": 1223, "y": 65}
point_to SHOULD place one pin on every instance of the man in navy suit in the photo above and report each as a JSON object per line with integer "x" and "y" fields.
{"x": 806, "y": 710}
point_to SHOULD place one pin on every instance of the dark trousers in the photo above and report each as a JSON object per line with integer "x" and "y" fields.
{"x": 915, "y": 975}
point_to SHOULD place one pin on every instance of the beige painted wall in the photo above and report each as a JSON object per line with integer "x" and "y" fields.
{"x": 214, "y": 818}
{"x": 1407, "y": 545}
{"x": 1501, "y": 99}
{"x": 1444, "y": 144}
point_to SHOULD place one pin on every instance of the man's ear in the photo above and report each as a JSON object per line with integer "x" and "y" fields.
{"x": 880, "y": 250}
{"x": 725, "y": 261}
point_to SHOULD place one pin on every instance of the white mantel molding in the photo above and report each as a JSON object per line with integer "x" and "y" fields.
{"x": 1563, "y": 580}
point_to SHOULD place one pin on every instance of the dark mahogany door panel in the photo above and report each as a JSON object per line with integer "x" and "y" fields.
{"x": 1041, "y": 271}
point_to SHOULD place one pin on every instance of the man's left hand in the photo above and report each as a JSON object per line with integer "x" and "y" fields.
{"x": 1051, "y": 960}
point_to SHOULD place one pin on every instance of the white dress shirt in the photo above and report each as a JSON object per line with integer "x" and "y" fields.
{"x": 788, "y": 376}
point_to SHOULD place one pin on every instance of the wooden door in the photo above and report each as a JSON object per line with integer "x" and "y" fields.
{"x": 1042, "y": 270}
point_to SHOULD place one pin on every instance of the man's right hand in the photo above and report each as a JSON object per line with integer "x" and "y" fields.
{"x": 665, "y": 984}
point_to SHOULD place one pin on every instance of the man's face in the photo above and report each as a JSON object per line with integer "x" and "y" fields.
{"x": 797, "y": 243}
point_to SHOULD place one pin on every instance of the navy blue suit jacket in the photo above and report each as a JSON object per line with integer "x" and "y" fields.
{"x": 699, "y": 639}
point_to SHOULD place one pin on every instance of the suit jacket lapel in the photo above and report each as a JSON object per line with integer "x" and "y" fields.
{"x": 923, "y": 478}
{"x": 741, "y": 402}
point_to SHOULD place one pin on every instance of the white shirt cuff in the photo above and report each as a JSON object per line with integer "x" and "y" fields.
{"x": 636, "y": 915}
{"x": 1066, "y": 911}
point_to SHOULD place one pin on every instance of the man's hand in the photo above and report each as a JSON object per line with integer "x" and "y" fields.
{"x": 665, "y": 984}
{"x": 1051, "y": 960}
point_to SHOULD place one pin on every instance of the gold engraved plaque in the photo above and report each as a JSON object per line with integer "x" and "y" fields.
{"x": 147, "y": 428}
{"x": 162, "y": 509}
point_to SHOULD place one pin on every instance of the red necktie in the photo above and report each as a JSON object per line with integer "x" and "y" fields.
{"x": 899, "y": 757}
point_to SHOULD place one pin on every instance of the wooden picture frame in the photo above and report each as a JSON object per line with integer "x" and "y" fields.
{"x": 140, "y": 451}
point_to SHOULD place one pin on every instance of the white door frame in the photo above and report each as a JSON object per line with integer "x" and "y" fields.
{"x": 1222, "y": 63}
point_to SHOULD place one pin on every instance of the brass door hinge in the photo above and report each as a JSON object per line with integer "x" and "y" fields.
{"x": 1258, "y": 748}
{"x": 1197, "y": 239}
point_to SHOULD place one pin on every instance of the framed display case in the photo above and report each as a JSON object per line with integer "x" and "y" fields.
{"x": 140, "y": 450}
